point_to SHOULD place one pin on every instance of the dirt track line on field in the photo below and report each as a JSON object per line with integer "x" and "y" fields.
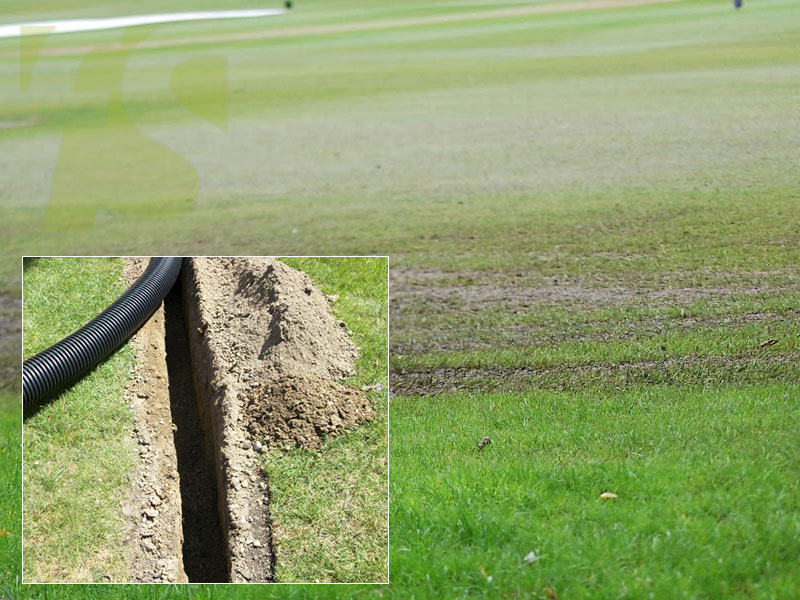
{"x": 685, "y": 370}
{"x": 312, "y": 30}
{"x": 454, "y": 339}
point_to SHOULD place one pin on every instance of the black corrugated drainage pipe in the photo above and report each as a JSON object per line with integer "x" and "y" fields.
{"x": 61, "y": 364}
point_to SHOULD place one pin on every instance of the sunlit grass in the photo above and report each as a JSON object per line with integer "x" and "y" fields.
{"x": 79, "y": 453}
{"x": 649, "y": 148}
{"x": 329, "y": 509}
{"x": 708, "y": 504}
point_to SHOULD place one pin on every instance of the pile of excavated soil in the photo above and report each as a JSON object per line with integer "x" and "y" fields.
{"x": 247, "y": 350}
{"x": 269, "y": 358}
{"x": 301, "y": 408}
{"x": 270, "y": 326}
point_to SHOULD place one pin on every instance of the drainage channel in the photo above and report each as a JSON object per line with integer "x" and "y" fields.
{"x": 210, "y": 395}
{"x": 204, "y": 555}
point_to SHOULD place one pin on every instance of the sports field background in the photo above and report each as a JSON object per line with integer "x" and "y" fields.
{"x": 592, "y": 219}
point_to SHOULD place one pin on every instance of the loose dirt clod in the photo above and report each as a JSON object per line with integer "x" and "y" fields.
{"x": 302, "y": 408}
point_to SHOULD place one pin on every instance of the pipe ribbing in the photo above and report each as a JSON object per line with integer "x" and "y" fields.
{"x": 52, "y": 369}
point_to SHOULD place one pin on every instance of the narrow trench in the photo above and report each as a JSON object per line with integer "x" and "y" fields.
{"x": 204, "y": 556}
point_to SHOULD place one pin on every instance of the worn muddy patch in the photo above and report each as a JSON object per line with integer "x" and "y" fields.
{"x": 474, "y": 290}
{"x": 451, "y": 338}
{"x": 709, "y": 370}
{"x": 10, "y": 334}
{"x": 518, "y": 298}
{"x": 435, "y": 311}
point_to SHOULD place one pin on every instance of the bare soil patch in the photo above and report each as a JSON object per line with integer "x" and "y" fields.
{"x": 515, "y": 298}
{"x": 448, "y": 311}
{"x": 153, "y": 509}
{"x": 10, "y": 323}
{"x": 437, "y": 311}
{"x": 712, "y": 370}
{"x": 467, "y": 337}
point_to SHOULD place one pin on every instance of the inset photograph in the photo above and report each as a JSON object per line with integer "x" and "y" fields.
{"x": 205, "y": 420}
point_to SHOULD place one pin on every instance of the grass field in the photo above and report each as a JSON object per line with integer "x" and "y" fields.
{"x": 329, "y": 509}
{"x": 79, "y": 452}
{"x": 10, "y": 490}
{"x": 592, "y": 219}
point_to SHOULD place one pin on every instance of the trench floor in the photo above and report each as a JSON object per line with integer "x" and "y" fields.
{"x": 204, "y": 555}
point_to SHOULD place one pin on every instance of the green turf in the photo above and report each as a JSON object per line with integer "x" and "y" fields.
{"x": 78, "y": 450}
{"x": 708, "y": 507}
{"x": 10, "y": 491}
{"x": 643, "y": 158}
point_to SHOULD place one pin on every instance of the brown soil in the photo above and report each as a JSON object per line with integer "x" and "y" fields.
{"x": 204, "y": 554}
{"x": 516, "y": 298}
{"x": 716, "y": 370}
{"x": 155, "y": 538}
{"x": 467, "y": 337}
{"x": 268, "y": 324}
{"x": 444, "y": 311}
{"x": 10, "y": 324}
{"x": 459, "y": 299}
{"x": 245, "y": 350}
{"x": 268, "y": 358}
{"x": 302, "y": 408}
